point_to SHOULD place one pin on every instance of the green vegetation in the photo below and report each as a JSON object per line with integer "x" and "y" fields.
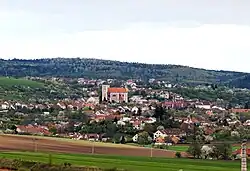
{"x": 33, "y": 90}
{"x": 129, "y": 163}
{"x": 183, "y": 148}
{"x": 9, "y": 82}
{"x": 22, "y": 165}
{"x": 216, "y": 94}
{"x": 94, "y": 68}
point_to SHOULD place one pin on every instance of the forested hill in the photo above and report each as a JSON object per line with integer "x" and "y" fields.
{"x": 95, "y": 68}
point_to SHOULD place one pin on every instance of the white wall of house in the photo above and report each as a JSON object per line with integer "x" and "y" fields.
{"x": 135, "y": 138}
{"x": 4, "y": 106}
{"x": 203, "y": 106}
{"x": 116, "y": 97}
{"x": 159, "y": 134}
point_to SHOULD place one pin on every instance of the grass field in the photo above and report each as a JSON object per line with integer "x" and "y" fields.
{"x": 130, "y": 163}
{"x": 182, "y": 148}
{"x": 8, "y": 82}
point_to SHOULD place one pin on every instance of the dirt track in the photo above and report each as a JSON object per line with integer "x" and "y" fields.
{"x": 19, "y": 143}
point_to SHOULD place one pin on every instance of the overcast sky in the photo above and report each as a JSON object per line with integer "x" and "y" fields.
{"x": 213, "y": 34}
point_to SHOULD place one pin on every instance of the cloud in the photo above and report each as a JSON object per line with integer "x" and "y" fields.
{"x": 208, "y": 46}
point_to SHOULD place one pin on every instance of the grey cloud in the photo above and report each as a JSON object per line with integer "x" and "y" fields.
{"x": 80, "y": 15}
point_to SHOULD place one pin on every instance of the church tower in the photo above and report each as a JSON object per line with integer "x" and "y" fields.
{"x": 105, "y": 92}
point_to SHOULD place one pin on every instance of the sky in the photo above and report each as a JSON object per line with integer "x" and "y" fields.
{"x": 211, "y": 34}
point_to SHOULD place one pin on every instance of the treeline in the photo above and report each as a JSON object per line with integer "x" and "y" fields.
{"x": 95, "y": 68}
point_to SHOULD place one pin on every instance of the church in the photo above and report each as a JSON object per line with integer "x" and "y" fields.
{"x": 114, "y": 94}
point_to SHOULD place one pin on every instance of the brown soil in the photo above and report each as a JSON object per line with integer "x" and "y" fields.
{"x": 19, "y": 143}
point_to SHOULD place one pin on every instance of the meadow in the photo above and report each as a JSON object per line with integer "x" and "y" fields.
{"x": 183, "y": 148}
{"x": 9, "y": 82}
{"x": 129, "y": 163}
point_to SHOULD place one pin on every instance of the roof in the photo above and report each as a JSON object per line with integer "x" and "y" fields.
{"x": 240, "y": 110}
{"x": 172, "y": 131}
{"x": 117, "y": 90}
{"x": 239, "y": 151}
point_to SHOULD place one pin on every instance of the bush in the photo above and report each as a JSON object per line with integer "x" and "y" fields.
{"x": 162, "y": 146}
{"x": 178, "y": 154}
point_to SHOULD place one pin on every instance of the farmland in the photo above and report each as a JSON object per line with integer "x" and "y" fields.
{"x": 84, "y": 153}
{"x": 127, "y": 162}
{"x": 12, "y": 143}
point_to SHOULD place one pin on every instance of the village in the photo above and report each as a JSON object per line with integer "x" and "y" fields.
{"x": 150, "y": 117}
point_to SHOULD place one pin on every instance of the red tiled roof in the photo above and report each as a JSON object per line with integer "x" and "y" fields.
{"x": 239, "y": 151}
{"x": 240, "y": 110}
{"x": 117, "y": 90}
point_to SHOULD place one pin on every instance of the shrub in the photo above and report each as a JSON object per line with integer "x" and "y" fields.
{"x": 178, "y": 154}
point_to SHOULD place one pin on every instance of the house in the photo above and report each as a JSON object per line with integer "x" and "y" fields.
{"x": 204, "y": 105}
{"x": 135, "y": 138}
{"x": 4, "y": 106}
{"x": 160, "y": 141}
{"x": 238, "y": 152}
{"x": 114, "y": 94}
{"x": 247, "y": 123}
{"x": 30, "y": 129}
{"x": 175, "y": 104}
{"x": 91, "y": 137}
{"x": 239, "y": 110}
{"x": 93, "y": 100}
{"x": 61, "y": 105}
{"x": 169, "y": 132}
{"x": 135, "y": 109}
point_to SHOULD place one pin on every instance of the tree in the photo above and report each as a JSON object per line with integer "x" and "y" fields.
{"x": 247, "y": 106}
{"x": 53, "y": 130}
{"x": 149, "y": 128}
{"x": 178, "y": 154}
{"x": 122, "y": 139}
{"x": 206, "y": 151}
{"x": 139, "y": 112}
{"x": 195, "y": 149}
{"x": 143, "y": 138}
{"x": 159, "y": 112}
{"x": 223, "y": 150}
{"x": 229, "y": 106}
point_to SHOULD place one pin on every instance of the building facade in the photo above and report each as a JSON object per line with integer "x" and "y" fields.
{"x": 114, "y": 94}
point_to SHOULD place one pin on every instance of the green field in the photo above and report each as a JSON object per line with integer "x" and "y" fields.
{"x": 129, "y": 163}
{"x": 183, "y": 148}
{"x": 9, "y": 82}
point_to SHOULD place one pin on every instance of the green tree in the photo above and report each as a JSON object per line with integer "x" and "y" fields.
{"x": 149, "y": 128}
{"x": 195, "y": 149}
{"x": 223, "y": 150}
{"x": 143, "y": 138}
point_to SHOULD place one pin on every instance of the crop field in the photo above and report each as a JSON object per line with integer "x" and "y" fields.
{"x": 9, "y": 82}
{"x": 68, "y": 140}
{"x": 59, "y": 145}
{"x": 126, "y": 162}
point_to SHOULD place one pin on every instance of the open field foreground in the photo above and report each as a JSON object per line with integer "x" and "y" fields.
{"x": 42, "y": 144}
{"x": 129, "y": 163}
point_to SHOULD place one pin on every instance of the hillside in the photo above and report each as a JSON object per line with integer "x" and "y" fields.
{"x": 9, "y": 82}
{"x": 95, "y": 68}
{"x": 28, "y": 90}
